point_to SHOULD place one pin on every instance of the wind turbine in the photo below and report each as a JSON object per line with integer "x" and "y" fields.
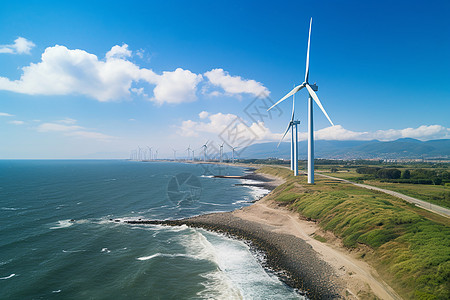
{"x": 232, "y": 153}
{"x": 221, "y": 151}
{"x": 294, "y": 139}
{"x": 312, "y": 95}
{"x": 205, "y": 146}
{"x": 174, "y": 154}
{"x": 150, "y": 152}
{"x": 188, "y": 151}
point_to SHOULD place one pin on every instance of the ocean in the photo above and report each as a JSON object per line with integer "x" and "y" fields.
{"x": 62, "y": 235}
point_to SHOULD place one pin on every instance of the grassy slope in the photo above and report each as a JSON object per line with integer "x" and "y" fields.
{"x": 411, "y": 247}
{"x": 436, "y": 194}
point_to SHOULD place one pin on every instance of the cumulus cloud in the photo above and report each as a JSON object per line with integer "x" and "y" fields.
{"x": 21, "y": 46}
{"x": 67, "y": 127}
{"x": 234, "y": 84}
{"x": 424, "y": 132}
{"x": 3, "y": 114}
{"x": 63, "y": 71}
{"x": 219, "y": 122}
{"x": 203, "y": 114}
{"x": 174, "y": 87}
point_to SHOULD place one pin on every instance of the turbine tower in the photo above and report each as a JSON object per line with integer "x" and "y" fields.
{"x": 293, "y": 126}
{"x": 221, "y": 151}
{"x": 205, "y": 146}
{"x": 232, "y": 153}
{"x": 312, "y": 95}
{"x": 188, "y": 152}
{"x": 150, "y": 152}
{"x": 174, "y": 154}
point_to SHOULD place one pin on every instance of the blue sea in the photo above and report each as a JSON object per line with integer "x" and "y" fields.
{"x": 62, "y": 235}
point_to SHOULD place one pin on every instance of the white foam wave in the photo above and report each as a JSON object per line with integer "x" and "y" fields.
{"x": 9, "y": 208}
{"x": 106, "y": 250}
{"x": 63, "y": 224}
{"x": 8, "y": 277}
{"x": 73, "y": 251}
{"x": 241, "y": 272}
{"x": 166, "y": 255}
{"x": 57, "y": 291}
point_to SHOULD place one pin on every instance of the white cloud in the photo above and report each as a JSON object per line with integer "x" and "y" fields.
{"x": 424, "y": 132}
{"x": 46, "y": 127}
{"x": 217, "y": 123}
{"x": 73, "y": 130}
{"x": 203, "y": 114}
{"x": 67, "y": 121}
{"x": 62, "y": 71}
{"x": 15, "y": 122}
{"x": 21, "y": 46}
{"x": 234, "y": 84}
{"x": 174, "y": 87}
{"x": 119, "y": 52}
{"x": 3, "y": 114}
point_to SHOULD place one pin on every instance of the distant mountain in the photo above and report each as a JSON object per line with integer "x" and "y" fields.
{"x": 401, "y": 148}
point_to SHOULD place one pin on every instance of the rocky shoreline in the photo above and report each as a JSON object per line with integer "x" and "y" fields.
{"x": 292, "y": 259}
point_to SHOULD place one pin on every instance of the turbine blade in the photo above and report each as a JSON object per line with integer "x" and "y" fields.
{"x": 287, "y": 129}
{"x": 307, "y": 53}
{"x": 314, "y": 96}
{"x": 292, "y": 92}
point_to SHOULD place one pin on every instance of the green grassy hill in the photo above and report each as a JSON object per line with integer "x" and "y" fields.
{"x": 410, "y": 247}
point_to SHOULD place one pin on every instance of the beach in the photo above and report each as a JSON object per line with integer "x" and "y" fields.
{"x": 286, "y": 240}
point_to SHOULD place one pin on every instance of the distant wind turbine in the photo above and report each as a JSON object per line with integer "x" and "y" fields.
{"x": 188, "y": 152}
{"x": 221, "y": 152}
{"x": 150, "y": 152}
{"x": 205, "y": 147}
{"x": 312, "y": 95}
{"x": 232, "y": 153}
{"x": 174, "y": 154}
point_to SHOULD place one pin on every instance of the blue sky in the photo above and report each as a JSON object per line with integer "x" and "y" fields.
{"x": 96, "y": 79}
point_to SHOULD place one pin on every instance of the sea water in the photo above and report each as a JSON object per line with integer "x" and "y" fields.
{"x": 62, "y": 235}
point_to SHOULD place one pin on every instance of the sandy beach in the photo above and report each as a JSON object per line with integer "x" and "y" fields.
{"x": 323, "y": 270}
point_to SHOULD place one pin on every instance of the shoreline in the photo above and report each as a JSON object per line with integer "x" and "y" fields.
{"x": 321, "y": 270}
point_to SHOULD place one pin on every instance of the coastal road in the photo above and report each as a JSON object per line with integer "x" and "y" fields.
{"x": 422, "y": 204}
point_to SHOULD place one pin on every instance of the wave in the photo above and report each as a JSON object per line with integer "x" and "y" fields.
{"x": 63, "y": 224}
{"x": 166, "y": 255}
{"x": 106, "y": 250}
{"x": 8, "y": 277}
{"x": 73, "y": 251}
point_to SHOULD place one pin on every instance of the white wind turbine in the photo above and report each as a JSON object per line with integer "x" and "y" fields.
{"x": 205, "y": 147}
{"x": 232, "y": 153}
{"x": 294, "y": 139}
{"x": 221, "y": 151}
{"x": 188, "y": 152}
{"x": 150, "y": 152}
{"x": 312, "y": 95}
{"x": 174, "y": 154}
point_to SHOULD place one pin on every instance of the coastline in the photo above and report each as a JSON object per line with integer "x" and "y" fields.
{"x": 322, "y": 270}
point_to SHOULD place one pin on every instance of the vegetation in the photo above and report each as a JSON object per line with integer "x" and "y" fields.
{"x": 425, "y": 181}
{"x": 410, "y": 247}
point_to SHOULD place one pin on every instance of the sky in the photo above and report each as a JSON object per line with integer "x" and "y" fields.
{"x": 98, "y": 79}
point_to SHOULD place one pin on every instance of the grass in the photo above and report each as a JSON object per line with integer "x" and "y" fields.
{"x": 436, "y": 194}
{"x": 410, "y": 249}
